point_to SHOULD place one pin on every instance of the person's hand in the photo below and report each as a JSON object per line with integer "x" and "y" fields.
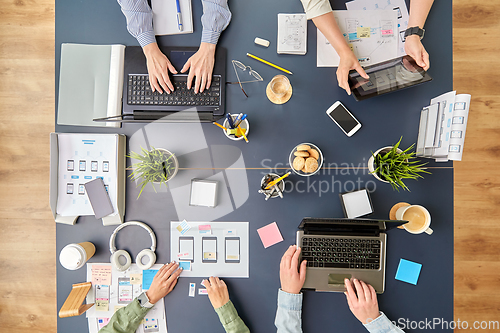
{"x": 217, "y": 291}
{"x": 415, "y": 49}
{"x": 362, "y": 300}
{"x": 347, "y": 62}
{"x": 202, "y": 65}
{"x": 163, "y": 282}
{"x": 291, "y": 276}
{"x": 158, "y": 68}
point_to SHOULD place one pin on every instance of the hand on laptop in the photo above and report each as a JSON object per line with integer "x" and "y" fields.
{"x": 217, "y": 291}
{"x": 348, "y": 61}
{"x": 163, "y": 282}
{"x": 415, "y": 49}
{"x": 362, "y": 300}
{"x": 158, "y": 68}
{"x": 202, "y": 65}
{"x": 291, "y": 276}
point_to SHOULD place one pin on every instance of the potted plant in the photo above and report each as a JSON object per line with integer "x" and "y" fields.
{"x": 156, "y": 166}
{"x": 392, "y": 165}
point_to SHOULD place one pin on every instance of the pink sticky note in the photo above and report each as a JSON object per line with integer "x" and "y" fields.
{"x": 387, "y": 32}
{"x": 204, "y": 227}
{"x": 270, "y": 234}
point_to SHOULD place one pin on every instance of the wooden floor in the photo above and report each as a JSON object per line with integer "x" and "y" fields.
{"x": 27, "y": 230}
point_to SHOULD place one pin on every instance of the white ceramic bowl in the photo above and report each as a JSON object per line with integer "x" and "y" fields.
{"x": 292, "y": 157}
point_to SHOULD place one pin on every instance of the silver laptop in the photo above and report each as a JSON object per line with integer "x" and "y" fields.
{"x": 336, "y": 249}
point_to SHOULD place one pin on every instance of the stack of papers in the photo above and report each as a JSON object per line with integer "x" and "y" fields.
{"x": 292, "y": 34}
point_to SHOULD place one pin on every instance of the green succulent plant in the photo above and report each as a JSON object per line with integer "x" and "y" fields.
{"x": 154, "y": 166}
{"x": 394, "y": 166}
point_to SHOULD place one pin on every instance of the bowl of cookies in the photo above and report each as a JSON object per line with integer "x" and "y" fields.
{"x": 306, "y": 159}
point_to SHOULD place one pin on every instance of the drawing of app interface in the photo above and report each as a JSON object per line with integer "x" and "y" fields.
{"x": 83, "y": 165}
{"x": 151, "y": 325}
{"x": 186, "y": 249}
{"x": 124, "y": 291}
{"x": 105, "y": 166}
{"x": 71, "y": 165}
{"x": 93, "y": 166}
{"x": 232, "y": 249}
{"x": 209, "y": 249}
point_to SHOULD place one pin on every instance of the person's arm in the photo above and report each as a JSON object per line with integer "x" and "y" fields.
{"x": 128, "y": 319}
{"x": 362, "y": 300}
{"x": 216, "y": 17}
{"x": 321, "y": 13}
{"x": 419, "y": 9}
{"x": 219, "y": 297}
{"x": 289, "y": 313}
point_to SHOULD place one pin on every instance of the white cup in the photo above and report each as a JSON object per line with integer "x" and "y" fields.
{"x": 418, "y": 219}
{"x": 74, "y": 256}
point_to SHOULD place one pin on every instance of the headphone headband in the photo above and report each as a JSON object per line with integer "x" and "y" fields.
{"x": 112, "y": 247}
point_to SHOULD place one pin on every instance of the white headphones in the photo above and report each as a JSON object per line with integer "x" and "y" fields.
{"x": 116, "y": 254}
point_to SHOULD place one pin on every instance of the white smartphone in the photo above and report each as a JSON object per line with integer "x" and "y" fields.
{"x": 343, "y": 118}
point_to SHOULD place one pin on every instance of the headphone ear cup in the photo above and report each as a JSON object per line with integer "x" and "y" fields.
{"x": 116, "y": 263}
{"x": 145, "y": 253}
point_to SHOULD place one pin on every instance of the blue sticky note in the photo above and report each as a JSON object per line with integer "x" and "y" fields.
{"x": 147, "y": 278}
{"x": 408, "y": 271}
{"x": 185, "y": 265}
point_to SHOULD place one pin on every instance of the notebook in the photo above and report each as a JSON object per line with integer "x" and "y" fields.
{"x": 165, "y": 17}
{"x": 292, "y": 34}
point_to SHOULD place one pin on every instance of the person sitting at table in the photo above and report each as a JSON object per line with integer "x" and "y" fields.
{"x": 321, "y": 13}
{"x": 216, "y": 17}
{"x": 128, "y": 319}
{"x": 361, "y": 298}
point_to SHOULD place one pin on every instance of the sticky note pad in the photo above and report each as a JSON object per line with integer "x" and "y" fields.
{"x": 270, "y": 234}
{"x": 363, "y": 32}
{"x": 147, "y": 278}
{"x": 408, "y": 271}
{"x": 185, "y": 265}
{"x": 135, "y": 278}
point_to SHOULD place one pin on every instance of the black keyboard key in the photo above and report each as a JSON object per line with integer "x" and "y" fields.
{"x": 337, "y": 265}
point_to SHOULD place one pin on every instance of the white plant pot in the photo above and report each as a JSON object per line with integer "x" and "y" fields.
{"x": 176, "y": 162}
{"x": 371, "y": 161}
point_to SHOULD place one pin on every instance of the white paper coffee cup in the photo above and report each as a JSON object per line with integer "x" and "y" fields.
{"x": 74, "y": 256}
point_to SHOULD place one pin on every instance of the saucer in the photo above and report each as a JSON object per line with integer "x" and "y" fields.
{"x": 278, "y": 100}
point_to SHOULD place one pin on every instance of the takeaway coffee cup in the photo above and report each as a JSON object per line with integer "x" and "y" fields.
{"x": 74, "y": 256}
{"x": 418, "y": 219}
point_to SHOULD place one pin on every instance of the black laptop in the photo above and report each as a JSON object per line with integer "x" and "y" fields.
{"x": 140, "y": 104}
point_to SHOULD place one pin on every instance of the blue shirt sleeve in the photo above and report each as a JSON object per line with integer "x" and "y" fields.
{"x": 289, "y": 313}
{"x": 139, "y": 20}
{"x": 216, "y": 17}
{"x": 382, "y": 324}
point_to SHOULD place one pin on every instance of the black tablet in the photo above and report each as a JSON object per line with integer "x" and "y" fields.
{"x": 387, "y": 76}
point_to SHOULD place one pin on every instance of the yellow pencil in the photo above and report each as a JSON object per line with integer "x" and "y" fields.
{"x": 220, "y": 126}
{"x": 270, "y": 64}
{"x": 274, "y": 182}
{"x": 243, "y": 133}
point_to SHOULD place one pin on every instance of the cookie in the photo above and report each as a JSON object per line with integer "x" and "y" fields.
{"x": 303, "y": 147}
{"x": 311, "y": 164}
{"x": 298, "y": 163}
{"x": 304, "y": 169}
{"x": 301, "y": 153}
{"x": 313, "y": 153}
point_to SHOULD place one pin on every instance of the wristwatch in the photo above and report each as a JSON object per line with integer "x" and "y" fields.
{"x": 144, "y": 301}
{"x": 415, "y": 31}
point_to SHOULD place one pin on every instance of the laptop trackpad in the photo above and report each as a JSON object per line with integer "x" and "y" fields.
{"x": 337, "y": 280}
{"x": 179, "y": 58}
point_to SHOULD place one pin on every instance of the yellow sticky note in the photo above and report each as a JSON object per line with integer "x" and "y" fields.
{"x": 179, "y": 228}
{"x": 135, "y": 278}
{"x": 209, "y": 255}
{"x": 350, "y": 45}
{"x": 363, "y": 32}
{"x": 102, "y": 305}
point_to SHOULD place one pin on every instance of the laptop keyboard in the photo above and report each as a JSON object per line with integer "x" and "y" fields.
{"x": 140, "y": 93}
{"x": 341, "y": 252}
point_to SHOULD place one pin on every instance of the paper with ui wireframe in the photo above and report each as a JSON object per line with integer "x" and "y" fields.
{"x": 183, "y": 227}
{"x": 368, "y": 34}
{"x": 101, "y": 275}
{"x": 192, "y": 289}
{"x": 399, "y": 6}
{"x": 102, "y": 322}
{"x": 165, "y": 17}
{"x": 408, "y": 271}
{"x": 147, "y": 278}
{"x": 270, "y": 235}
{"x": 292, "y": 34}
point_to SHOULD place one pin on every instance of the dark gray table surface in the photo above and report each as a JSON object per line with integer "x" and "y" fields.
{"x": 274, "y": 131}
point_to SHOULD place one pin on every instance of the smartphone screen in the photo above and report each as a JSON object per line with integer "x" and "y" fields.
{"x": 186, "y": 248}
{"x": 343, "y": 118}
{"x": 209, "y": 248}
{"x": 232, "y": 249}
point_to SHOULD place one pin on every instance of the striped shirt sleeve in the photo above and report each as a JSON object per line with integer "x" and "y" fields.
{"x": 216, "y": 17}
{"x": 139, "y": 20}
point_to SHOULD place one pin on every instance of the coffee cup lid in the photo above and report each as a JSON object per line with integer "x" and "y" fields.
{"x": 71, "y": 257}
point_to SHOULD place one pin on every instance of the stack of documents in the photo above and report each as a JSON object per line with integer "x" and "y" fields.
{"x": 441, "y": 132}
{"x": 292, "y": 34}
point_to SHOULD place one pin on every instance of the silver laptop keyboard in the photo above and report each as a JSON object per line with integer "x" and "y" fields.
{"x": 334, "y": 252}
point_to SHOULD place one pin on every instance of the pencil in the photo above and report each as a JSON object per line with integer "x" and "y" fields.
{"x": 220, "y": 126}
{"x": 274, "y": 182}
{"x": 270, "y": 64}
{"x": 243, "y": 133}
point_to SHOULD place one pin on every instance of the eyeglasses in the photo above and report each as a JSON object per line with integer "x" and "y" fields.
{"x": 244, "y": 68}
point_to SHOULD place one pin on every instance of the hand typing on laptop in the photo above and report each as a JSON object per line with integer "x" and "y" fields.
{"x": 201, "y": 65}
{"x": 158, "y": 68}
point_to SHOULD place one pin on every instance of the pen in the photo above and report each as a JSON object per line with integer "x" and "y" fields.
{"x": 224, "y": 128}
{"x": 268, "y": 63}
{"x": 274, "y": 182}
{"x": 241, "y": 120}
{"x": 230, "y": 120}
{"x": 179, "y": 17}
{"x": 237, "y": 120}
